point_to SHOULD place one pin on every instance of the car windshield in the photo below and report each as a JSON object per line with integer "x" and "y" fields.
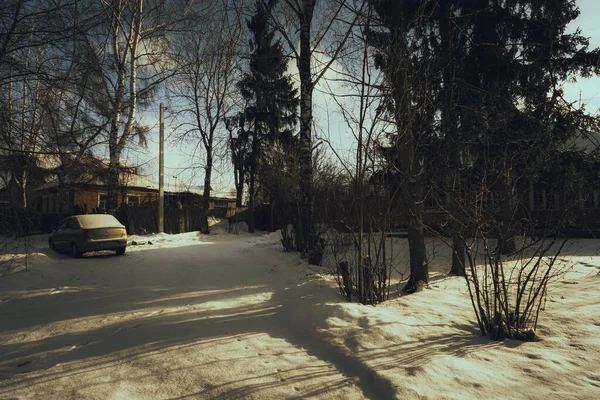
{"x": 93, "y": 221}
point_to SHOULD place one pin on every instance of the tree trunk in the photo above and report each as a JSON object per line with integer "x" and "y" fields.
{"x": 21, "y": 199}
{"x": 305, "y": 236}
{"x": 239, "y": 187}
{"x": 251, "y": 188}
{"x": 419, "y": 268}
{"x": 24, "y": 188}
{"x": 450, "y": 132}
{"x": 124, "y": 58}
{"x": 458, "y": 253}
{"x": 239, "y": 171}
{"x": 112, "y": 185}
{"x": 411, "y": 195}
{"x": 257, "y": 137}
{"x": 206, "y": 193}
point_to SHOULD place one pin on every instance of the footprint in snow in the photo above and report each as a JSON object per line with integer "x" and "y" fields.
{"x": 533, "y": 356}
{"x": 24, "y": 363}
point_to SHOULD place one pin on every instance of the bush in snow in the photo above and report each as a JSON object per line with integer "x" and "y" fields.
{"x": 508, "y": 294}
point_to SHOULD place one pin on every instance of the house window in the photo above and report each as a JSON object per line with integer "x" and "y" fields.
{"x": 133, "y": 201}
{"x": 544, "y": 198}
{"x": 102, "y": 199}
{"x": 548, "y": 200}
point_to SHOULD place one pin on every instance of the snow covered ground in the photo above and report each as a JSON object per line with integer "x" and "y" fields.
{"x": 233, "y": 317}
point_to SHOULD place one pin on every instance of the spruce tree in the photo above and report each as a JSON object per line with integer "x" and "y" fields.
{"x": 489, "y": 73}
{"x": 271, "y": 99}
{"x": 509, "y": 102}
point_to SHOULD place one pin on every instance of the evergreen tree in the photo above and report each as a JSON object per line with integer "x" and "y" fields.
{"x": 272, "y": 101}
{"x": 509, "y": 102}
{"x": 473, "y": 88}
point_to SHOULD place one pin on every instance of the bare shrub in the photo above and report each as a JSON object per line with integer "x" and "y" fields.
{"x": 508, "y": 291}
{"x": 507, "y": 295}
{"x": 287, "y": 238}
{"x": 362, "y": 256}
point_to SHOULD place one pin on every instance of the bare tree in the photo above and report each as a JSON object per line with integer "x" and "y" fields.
{"x": 306, "y": 37}
{"x": 127, "y": 54}
{"x": 29, "y": 24}
{"x": 399, "y": 34}
{"x": 34, "y": 75}
{"x": 204, "y": 89}
{"x": 360, "y": 234}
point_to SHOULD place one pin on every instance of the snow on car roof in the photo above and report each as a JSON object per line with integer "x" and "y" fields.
{"x": 92, "y": 221}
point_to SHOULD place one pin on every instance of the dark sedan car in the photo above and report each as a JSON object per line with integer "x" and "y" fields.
{"x": 91, "y": 232}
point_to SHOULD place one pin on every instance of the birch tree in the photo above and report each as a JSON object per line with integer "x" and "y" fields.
{"x": 129, "y": 57}
{"x": 306, "y": 37}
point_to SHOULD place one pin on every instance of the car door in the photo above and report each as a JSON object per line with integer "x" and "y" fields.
{"x": 61, "y": 237}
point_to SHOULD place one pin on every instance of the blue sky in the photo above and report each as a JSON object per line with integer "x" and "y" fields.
{"x": 178, "y": 157}
{"x": 589, "y": 23}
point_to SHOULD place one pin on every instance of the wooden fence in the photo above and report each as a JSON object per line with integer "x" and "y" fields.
{"x": 177, "y": 219}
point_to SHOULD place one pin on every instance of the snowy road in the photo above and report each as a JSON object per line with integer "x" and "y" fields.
{"x": 233, "y": 317}
{"x": 195, "y": 317}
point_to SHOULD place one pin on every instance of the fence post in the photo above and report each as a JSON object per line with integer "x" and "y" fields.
{"x": 161, "y": 168}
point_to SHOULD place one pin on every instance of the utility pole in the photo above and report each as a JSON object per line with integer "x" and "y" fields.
{"x": 161, "y": 172}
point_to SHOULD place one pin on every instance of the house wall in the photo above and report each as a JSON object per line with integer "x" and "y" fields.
{"x": 88, "y": 198}
{"x": 220, "y": 202}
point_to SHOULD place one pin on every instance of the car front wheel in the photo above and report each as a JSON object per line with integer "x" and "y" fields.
{"x": 75, "y": 251}
{"x": 51, "y": 245}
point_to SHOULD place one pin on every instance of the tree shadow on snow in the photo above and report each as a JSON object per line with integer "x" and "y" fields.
{"x": 148, "y": 305}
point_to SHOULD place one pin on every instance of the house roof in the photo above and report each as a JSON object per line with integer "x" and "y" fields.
{"x": 584, "y": 141}
{"x": 140, "y": 182}
{"x": 91, "y": 169}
